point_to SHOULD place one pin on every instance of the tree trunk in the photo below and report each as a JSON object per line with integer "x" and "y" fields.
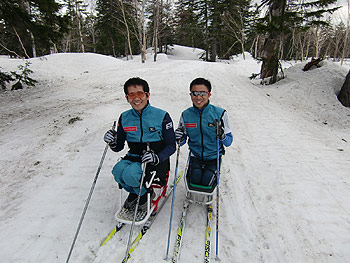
{"x": 243, "y": 50}
{"x": 213, "y": 52}
{"x": 127, "y": 31}
{"x": 269, "y": 66}
{"x": 29, "y": 10}
{"x": 270, "y": 50}
{"x": 344, "y": 94}
{"x": 155, "y": 29}
{"x": 143, "y": 32}
{"x": 317, "y": 42}
{"x": 307, "y": 47}
{"x": 82, "y": 46}
{"x": 33, "y": 44}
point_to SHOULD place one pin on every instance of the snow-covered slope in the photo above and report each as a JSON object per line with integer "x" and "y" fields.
{"x": 285, "y": 181}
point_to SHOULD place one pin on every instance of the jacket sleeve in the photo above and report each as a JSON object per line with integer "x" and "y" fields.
{"x": 168, "y": 137}
{"x": 121, "y": 137}
{"x": 229, "y": 138}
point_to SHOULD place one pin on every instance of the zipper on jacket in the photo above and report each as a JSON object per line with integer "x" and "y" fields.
{"x": 141, "y": 126}
{"x": 202, "y": 136}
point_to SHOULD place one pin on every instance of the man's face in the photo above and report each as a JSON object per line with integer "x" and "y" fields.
{"x": 137, "y": 97}
{"x": 201, "y": 99}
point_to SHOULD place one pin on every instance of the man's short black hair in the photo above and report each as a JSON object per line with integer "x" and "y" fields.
{"x": 136, "y": 81}
{"x": 201, "y": 81}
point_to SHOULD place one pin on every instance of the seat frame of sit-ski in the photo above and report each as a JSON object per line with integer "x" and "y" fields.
{"x": 152, "y": 205}
{"x": 199, "y": 194}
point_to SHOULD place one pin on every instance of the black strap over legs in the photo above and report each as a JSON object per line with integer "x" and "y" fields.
{"x": 161, "y": 173}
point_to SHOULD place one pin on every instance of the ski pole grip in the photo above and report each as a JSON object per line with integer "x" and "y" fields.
{"x": 114, "y": 124}
{"x": 148, "y": 146}
{"x": 217, "y": 128}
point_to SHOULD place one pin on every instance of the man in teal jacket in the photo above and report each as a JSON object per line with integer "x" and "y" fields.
{"x": 139, "y": 126}
{"x": 198, "y": 125}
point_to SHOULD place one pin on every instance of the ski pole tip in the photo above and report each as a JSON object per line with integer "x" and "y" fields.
{"x": 217, "y": 258}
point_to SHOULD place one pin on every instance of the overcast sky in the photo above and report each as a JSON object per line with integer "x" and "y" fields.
{"x": 342, "y": 14}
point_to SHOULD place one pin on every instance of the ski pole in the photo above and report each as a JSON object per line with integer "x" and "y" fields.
{"x": 217, "y": 190}
{"x": 173, "y": 199}
{"x": 89, "y": 198}
{"x": 137, "y": 206}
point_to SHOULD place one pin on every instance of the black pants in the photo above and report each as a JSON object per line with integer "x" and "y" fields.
{"x": 203, "y": 172}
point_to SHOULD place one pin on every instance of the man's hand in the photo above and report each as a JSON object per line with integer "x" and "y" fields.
{"x": 111, "y": 138}
{"x": 222, "y": 135}
{"x": 150, "y": 157}
{"x": 180, "y": 133}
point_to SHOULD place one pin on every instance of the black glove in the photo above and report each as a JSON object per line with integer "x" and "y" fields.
{"x": 222, "y": 135}
{"x": 111, "y": 138}
{"x": 150, "y": 157}
{"x": 180, "y": 133}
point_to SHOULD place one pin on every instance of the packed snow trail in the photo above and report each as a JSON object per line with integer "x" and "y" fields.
{"x": 276, "y": 180}
{"x": 284, "y": 184}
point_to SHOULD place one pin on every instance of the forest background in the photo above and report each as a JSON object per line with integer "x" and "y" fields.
{"x": 221, "y": 28}
{"x": 270, "y": 30}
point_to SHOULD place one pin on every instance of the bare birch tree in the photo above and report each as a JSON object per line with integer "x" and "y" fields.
{"x": 346, "y": 40}
{"x": 236, "y": 27}
{"x": 156, "y": 19}
{"x": 140, "y": 6}
{"x": 125, "y": 22}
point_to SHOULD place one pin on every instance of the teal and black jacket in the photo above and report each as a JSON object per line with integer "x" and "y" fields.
{"x": 153, "y": 125}
{"x": 201, "y": 131}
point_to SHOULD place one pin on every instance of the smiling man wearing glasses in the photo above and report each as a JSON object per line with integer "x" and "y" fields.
{"x": 198, "y": 125}
{"x": 139, "y": 126}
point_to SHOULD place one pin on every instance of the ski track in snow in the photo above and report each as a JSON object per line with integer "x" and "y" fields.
{"x": 284, "y": 186}
{"x": 281, "y": 160}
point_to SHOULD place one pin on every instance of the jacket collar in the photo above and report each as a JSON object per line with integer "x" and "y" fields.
{"x": 144, "y": 109}
{"x": 201, "y": 110}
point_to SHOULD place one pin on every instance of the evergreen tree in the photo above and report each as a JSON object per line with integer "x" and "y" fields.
{"x": 282, "y": 17}
{"x": 75, "y": 38}
{"x": 166, "y": 27}
{"x": 5, "y": 77}
{"x": 112, "y": 38}
{"x": 188, "y": 31}
{"x": 30, "y": 28}
{"x": 215, "y": 25}
{"x": 238, "y": 18}
{"x": 161, "y": 25}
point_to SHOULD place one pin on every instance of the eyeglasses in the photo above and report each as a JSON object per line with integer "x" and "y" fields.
{"x": 139, "y": 94}
{"x": 201, "y": 93}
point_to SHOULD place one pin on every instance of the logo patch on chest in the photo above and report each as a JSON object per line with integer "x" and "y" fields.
{"x": 130, "y": 129}
{"x": 152, "y": 129}
{"x": 191, "y": 125}
{"x": 169, "y": 125}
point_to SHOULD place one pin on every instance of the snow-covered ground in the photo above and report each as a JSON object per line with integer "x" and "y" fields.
{"x": 285, "y": 184}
